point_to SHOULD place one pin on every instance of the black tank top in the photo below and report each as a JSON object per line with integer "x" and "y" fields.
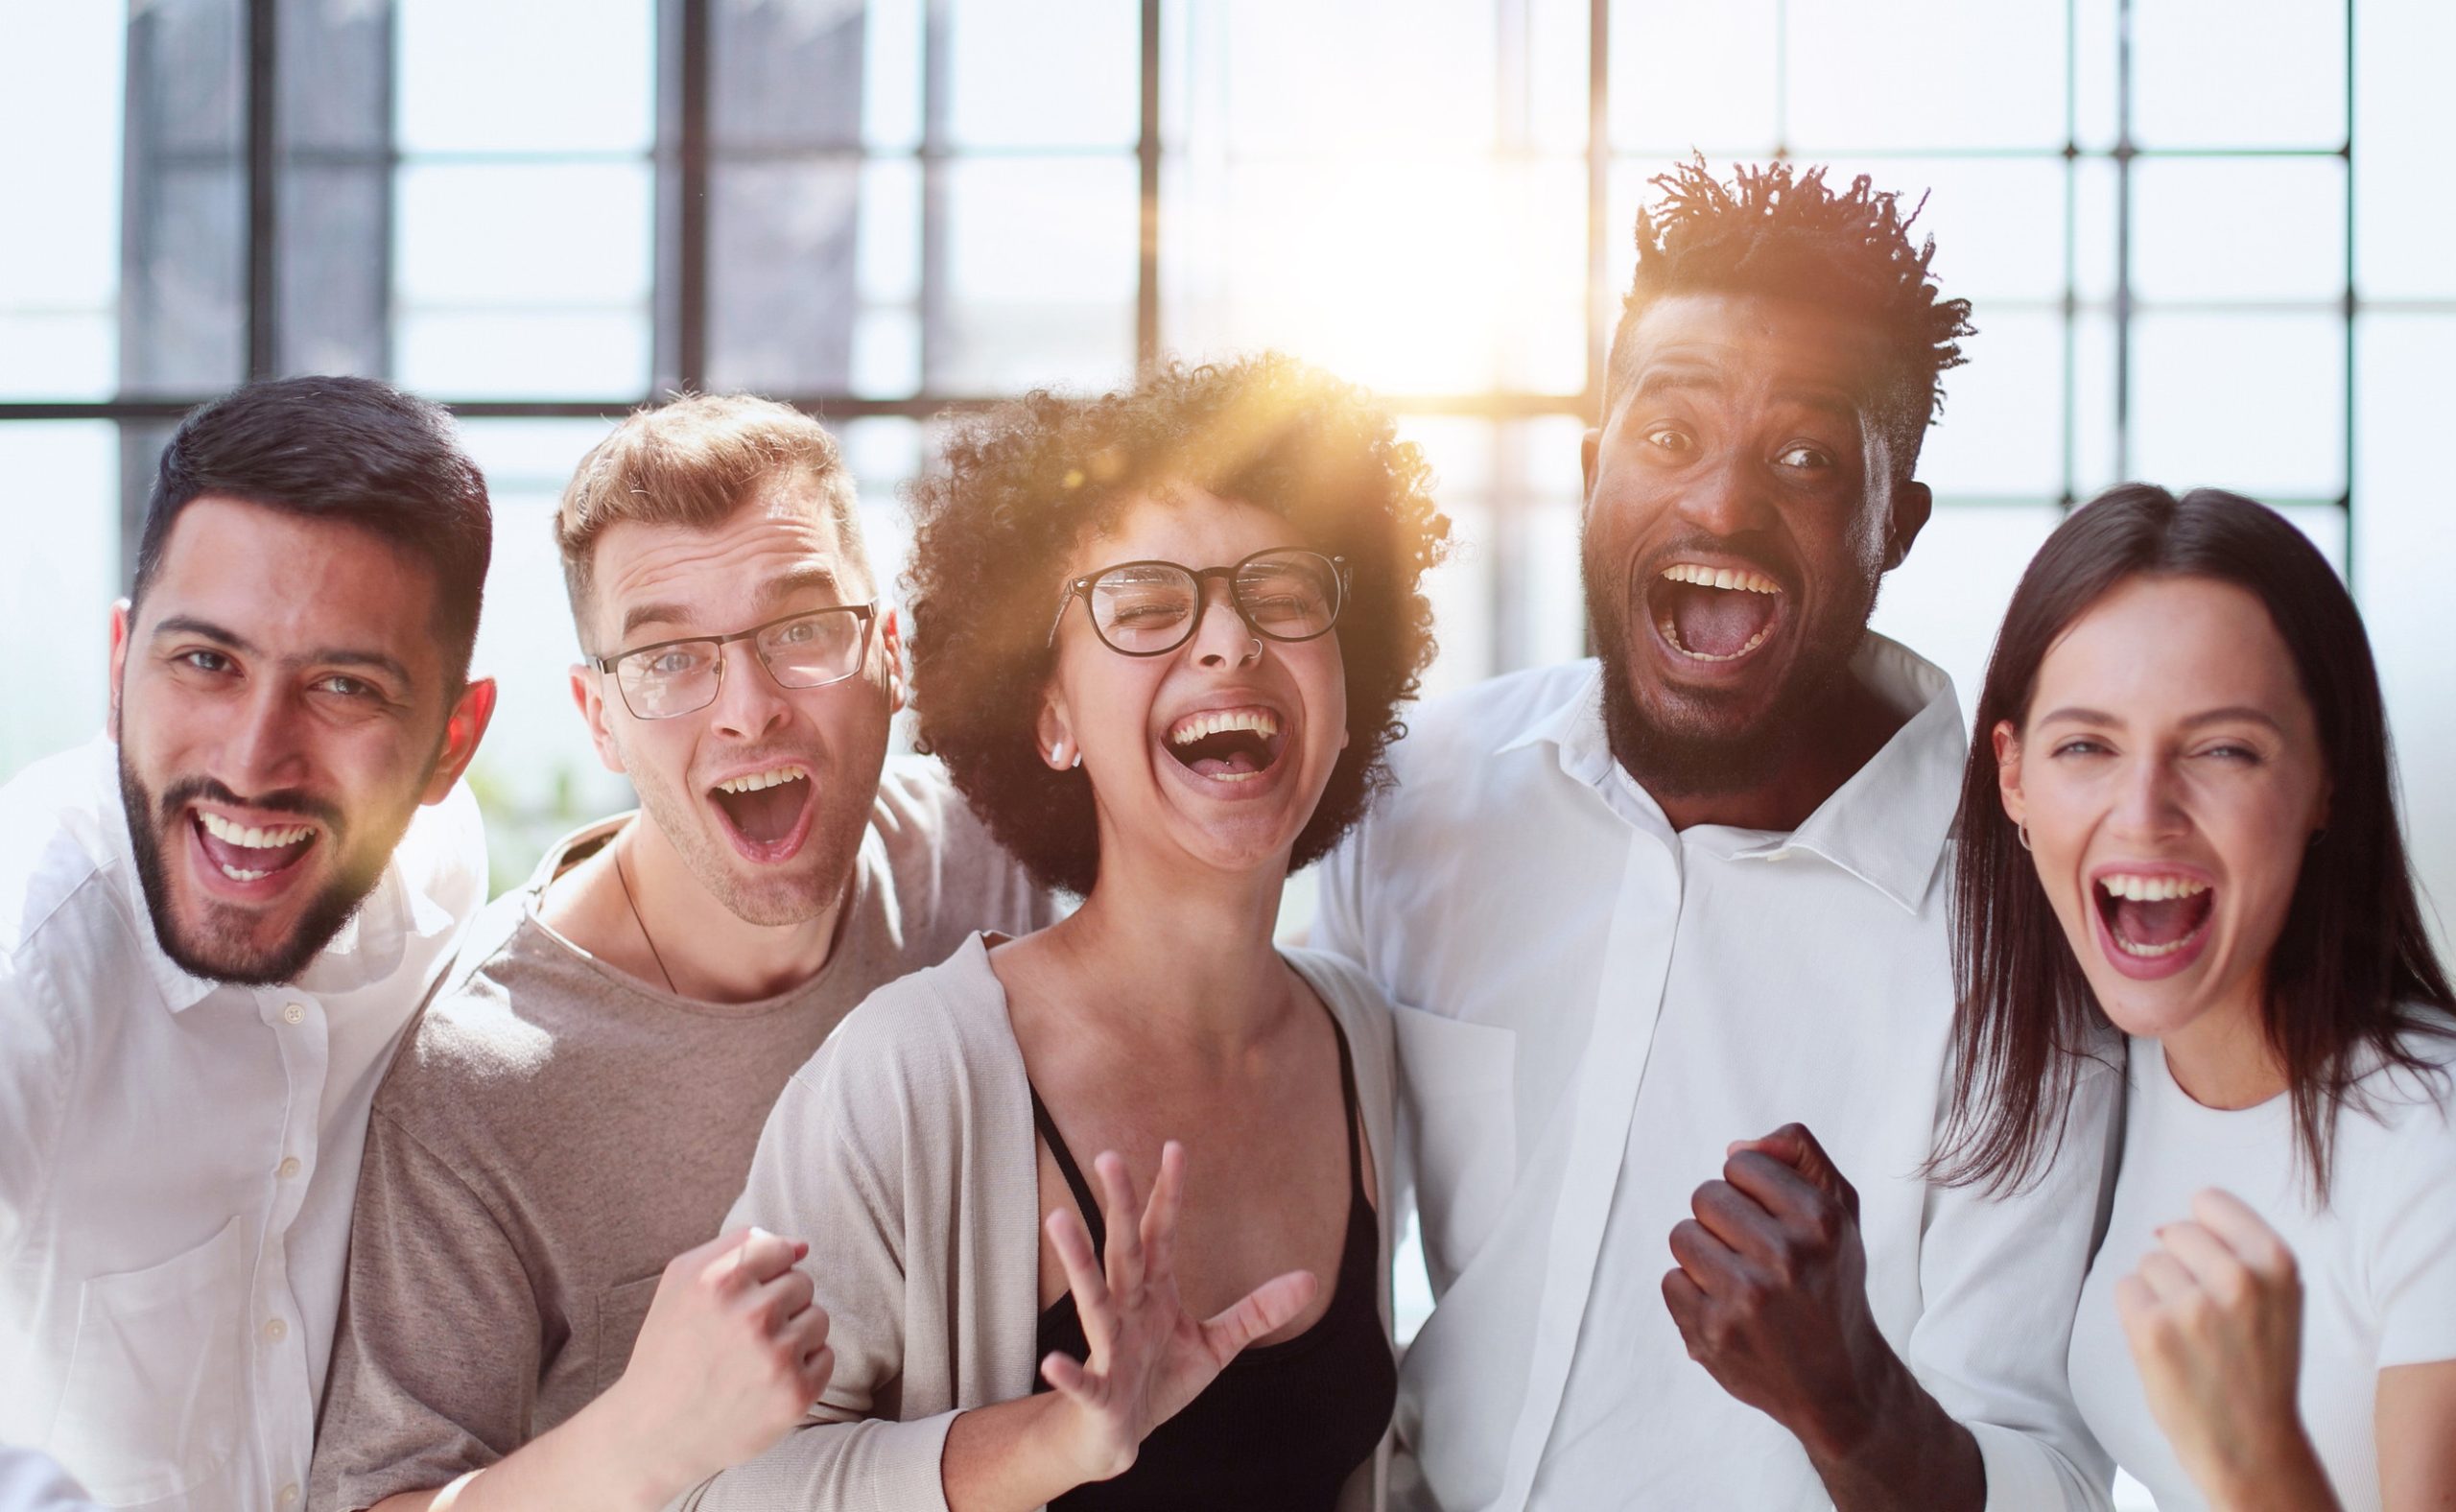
{"x": 1286, "y": 1423}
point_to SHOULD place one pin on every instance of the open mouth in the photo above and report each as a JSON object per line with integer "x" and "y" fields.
{"x": 1715, "y": 614}
{"x": 250, "y": 853}
{"x": 2149, "y": 917}
{"x": 1228, "y": 745}
{"x": 766, "y": 810}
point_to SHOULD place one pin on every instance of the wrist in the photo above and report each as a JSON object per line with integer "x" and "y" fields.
{"x": 2279, "y": 1473}
{"x": 629, "y": 1451}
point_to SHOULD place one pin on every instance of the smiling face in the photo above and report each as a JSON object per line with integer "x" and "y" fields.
{"x": 280, "y": 704}
{"x": 764, "y": 793}
{"x": 1741, "y": 506}
{"x": 2171, "y": 779}
{"x": 1214, "y": 753}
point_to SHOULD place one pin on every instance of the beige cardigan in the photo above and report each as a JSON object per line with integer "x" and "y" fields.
{"x": 905, "y": 1153}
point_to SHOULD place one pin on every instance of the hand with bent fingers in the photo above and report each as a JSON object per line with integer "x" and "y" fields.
{"x": 1148, "y": 1356}
{"x": 2215, "y": 1318}
{"x": 1771, "y": 1296}
{"x": 729, "y": 1359}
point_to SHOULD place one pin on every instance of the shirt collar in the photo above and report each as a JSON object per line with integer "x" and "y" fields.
{"x": 1886, "y": 826}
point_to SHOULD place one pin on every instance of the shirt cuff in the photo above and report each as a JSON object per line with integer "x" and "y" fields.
{"x": 2025, "y": 1475}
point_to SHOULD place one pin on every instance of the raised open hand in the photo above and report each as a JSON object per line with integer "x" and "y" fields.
{"x": 1148, "y": 1356}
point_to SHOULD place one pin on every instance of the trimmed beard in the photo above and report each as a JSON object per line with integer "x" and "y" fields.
{"x": 227, "y": 952}
{"x": 1685, "y": 763}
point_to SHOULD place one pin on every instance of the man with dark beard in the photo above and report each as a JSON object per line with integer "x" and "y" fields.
{"x": 214, "y": 923}
{"x": 1667, "y": 931}
{"x": 575, "y": 1114}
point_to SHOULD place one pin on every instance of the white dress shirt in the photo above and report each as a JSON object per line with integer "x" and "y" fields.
{"x": 177, "y": 1156}
{"x": 32, "y": 1482}
{"x": 1591, "y": 1006}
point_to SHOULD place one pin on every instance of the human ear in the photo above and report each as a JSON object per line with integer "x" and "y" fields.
{"x": 892, "y": 651}
{"x": 2008, "y": 771}
{"x": 462, "y": 729}
{"x": 120, "y": 628}
{"x": 588, "y": 696}
{"x": 1058, "y": 748}
{"x": 1587, "y": 450}
{"x": 1913, "y": 503}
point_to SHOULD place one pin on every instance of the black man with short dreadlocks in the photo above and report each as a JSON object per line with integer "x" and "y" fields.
{"x": 1667, "y": 929}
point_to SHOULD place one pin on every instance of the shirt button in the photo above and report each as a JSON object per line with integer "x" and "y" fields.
{"x": 275, "y": 1330}
{"x": 287, "y": 1169}
{"x": 294, "y": 1013}
{"x": 289, "y": 1496}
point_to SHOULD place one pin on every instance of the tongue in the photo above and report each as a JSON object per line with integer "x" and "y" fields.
{"x": 2161, "y": 923}
{"x": 1718, "y": 622}
{"x": 766, "y": 816}
{"x": 249, "y": 858}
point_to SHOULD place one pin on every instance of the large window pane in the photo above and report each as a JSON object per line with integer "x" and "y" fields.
{"x": 2404, "y": 224}
{"x": 2004, "y": 426}
{"x": 542, "y": 76}
{"x": 2250, "y": 402}
{"x": 1947, "y": 598}
{"x": 57, "y": 583}
{"x": 2239, "y": 73}
{"x": 2238, "y": 228}
{"x": 1041, "y": 267}
{"x": 1045, "y": 73}
{"x": 1873, "y": 73}
{"x": 1695, "y": 76}
{"x": 61, "y": 81}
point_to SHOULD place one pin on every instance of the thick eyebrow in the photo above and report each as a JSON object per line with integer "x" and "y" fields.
{"x": 2230, "y": 713}
{"x": 189, "y": 625}
{"x": 1659, "y": 379}
{"x": 802, "y": 579}
{"x": 775, "y": 590}
{"x": 334, "y": 655}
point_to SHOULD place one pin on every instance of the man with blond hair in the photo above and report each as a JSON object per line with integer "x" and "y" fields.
{"x": 537, "y": 1315}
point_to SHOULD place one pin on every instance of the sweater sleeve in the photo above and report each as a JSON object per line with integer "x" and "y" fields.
{"x": 832, "y": 1168}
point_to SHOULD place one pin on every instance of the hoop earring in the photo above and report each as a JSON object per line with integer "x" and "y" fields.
{"x": 1257, "y": 647}
{"x": 2022, "y": 832}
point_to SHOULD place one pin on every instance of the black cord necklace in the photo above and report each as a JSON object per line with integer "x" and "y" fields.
{"x": 651, "y": 941}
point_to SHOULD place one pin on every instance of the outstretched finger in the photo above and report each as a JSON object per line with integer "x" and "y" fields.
{"x": 1160, "y": 1214}
{"x": 1091, "y": 1289}
{"x": 1123, "y": 1212}
{"x": 1268, "y": 1308}
{"x": 1065, "y": 1376}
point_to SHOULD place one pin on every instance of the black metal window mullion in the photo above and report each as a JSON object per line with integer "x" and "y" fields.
{"x": 262, "y": 144}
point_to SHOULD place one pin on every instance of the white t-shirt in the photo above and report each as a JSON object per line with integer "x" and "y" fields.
{"x": 2378, "y": 1261}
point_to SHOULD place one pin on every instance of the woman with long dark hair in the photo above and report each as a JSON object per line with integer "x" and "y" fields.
{"x": 2179, "y": 842}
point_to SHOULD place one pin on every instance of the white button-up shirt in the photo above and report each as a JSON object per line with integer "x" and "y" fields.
{"x": 1591, "y": 1006}
{"x": 177, "y": 1156}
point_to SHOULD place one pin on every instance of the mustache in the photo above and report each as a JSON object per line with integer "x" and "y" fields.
{"x": 281, "y": 800}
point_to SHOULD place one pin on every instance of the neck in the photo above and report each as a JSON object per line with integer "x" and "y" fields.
{"x": 2222, "y": 1059}
{"x": 636, "y": 906}
{"x": 1199, "y": 969}
{"x": 1846, "y": 732}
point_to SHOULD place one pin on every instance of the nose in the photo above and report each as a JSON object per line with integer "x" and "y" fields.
{"x": 1728, "y": 499}
{"x": 1223, "y": 639}
{"x": 748, "y": 702}
{"x": 2149, "y": 803}
{"x": 263, "y": 750}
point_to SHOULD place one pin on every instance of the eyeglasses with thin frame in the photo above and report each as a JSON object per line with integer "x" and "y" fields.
{"x": 1149, "y": 608}
{"x": 806, "y": 649}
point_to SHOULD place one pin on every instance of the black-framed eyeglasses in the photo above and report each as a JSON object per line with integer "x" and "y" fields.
{"x": 1149, "y": 608}
{"x": 808, "y": 650}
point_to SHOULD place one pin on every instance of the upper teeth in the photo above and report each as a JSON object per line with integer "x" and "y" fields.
{"x": 757, "y": 780}
{"x": 1739, "y": 577}
{"x": 223, "y": 830}
{"x": 2150, "y": 889}
{"x": 1193, "y": 727}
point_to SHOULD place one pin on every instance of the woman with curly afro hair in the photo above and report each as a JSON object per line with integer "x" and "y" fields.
{"x": 1161, "y": 639}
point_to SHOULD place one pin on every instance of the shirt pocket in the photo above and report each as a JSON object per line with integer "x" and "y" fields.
{"x": 619, "y": 1312}
{"x": 1459, "y": 1110}
{"x": 150, "y": 1408}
